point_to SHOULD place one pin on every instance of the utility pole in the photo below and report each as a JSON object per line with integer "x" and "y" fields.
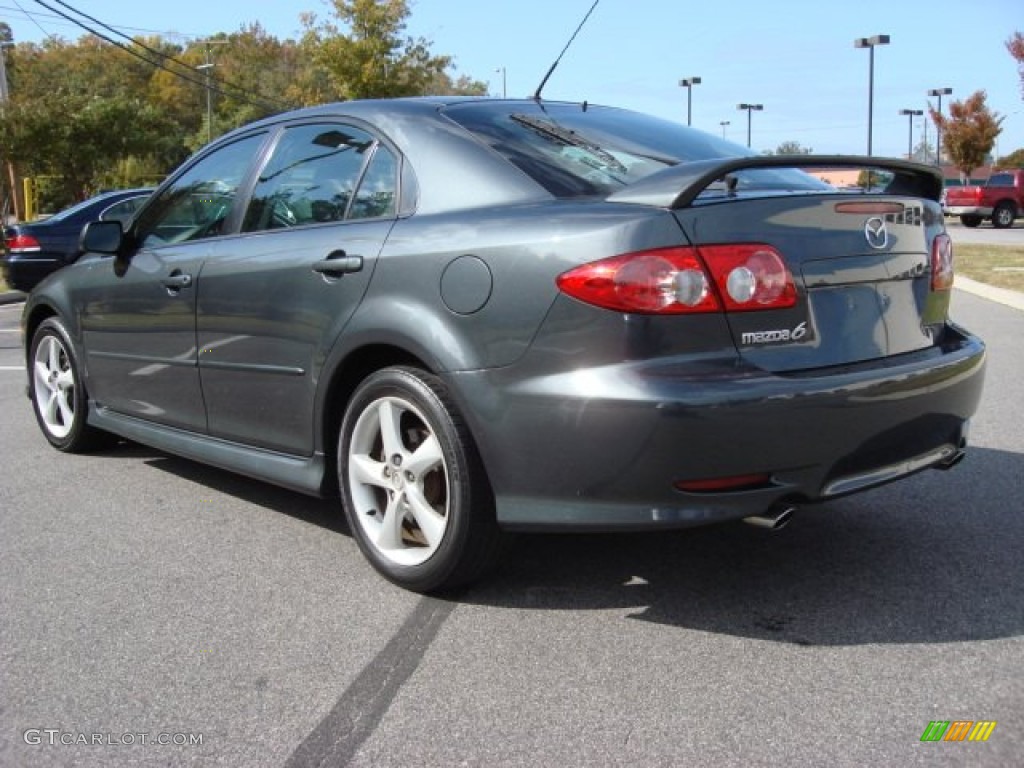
{"x": 4, "y": 96}
{"x": 207, "y": 67}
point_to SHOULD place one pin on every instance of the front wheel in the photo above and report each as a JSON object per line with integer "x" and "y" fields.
{"x": 1003, "y": 216}
{"x": 58, "y": 394}
{"x": 413, "y": 486}
{"x": 969, "y": 220}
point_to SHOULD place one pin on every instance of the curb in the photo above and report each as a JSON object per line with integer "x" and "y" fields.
{"x": 1014, "y": 299}
{"x": 11, "y": 297}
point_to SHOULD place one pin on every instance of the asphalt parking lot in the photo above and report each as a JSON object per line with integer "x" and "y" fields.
{"x": 144, "y": 595}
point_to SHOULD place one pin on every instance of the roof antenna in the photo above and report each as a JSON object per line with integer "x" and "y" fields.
{"x": 536, "y": 94}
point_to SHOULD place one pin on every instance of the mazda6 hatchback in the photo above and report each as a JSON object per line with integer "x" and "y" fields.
{"x": 467, "y": 316}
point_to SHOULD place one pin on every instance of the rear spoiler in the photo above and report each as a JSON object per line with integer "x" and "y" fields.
{"x": 679, "y": 186}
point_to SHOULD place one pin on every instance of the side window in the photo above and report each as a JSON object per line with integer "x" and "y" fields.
{"x": 124, "y": 210}
{"x": 197, "y": 203}
{"x": 377, "y": 191}
{"x": 312, "y": 176}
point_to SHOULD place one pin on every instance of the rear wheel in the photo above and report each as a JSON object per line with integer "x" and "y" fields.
{"x": 413, "y": 486}
{"x": 969, "y": 220}
{"x": 58, "y": 394}
{"x": 1003, "y": 216}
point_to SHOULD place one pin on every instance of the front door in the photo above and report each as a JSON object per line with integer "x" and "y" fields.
{"x": 140, "y": 330}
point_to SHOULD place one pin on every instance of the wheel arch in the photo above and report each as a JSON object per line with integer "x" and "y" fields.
{"x": 33, "y": 320}
{"x": 337, "y": 388}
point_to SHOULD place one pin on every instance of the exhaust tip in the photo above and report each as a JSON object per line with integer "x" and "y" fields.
{"x": 773, "y": 519}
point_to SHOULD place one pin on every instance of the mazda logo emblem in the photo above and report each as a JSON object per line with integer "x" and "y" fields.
{"x": 876, "y": 233}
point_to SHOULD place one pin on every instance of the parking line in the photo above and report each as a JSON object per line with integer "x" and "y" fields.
{"x": 12, "y": 367}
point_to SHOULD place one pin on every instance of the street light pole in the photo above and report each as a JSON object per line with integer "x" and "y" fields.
{"x": 911, "y": 114}
{"x": 724, "y": 123}
{"x": 750, "y": 108}
{"x": 504, "y": 90}
{"x": 688, "y": 83}
{"x": 939, "y": 92}
{"x": 870, "y": 43}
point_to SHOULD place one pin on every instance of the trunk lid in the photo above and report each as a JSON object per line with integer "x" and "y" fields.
{"x": 862, "y": 268}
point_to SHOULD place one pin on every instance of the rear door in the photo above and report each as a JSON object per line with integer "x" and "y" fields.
{"x": 274, "y": 298}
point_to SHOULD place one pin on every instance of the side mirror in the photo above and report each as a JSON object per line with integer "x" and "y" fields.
{"x": 102, "y": 237}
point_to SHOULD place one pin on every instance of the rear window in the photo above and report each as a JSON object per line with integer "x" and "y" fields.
{"x": 1001, "y": 180}
{"x": 577, "y": 151}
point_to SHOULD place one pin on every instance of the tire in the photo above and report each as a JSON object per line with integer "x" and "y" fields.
{"x": 969, "y": 220}
{"x": 1003, "y": 216}
{"x": 414, "y": 490}
{"x": 58, "y": 394}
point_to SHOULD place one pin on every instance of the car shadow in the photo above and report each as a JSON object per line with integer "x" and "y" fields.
{"x": 325, "y": 513}
{"x": 935, "y": 558}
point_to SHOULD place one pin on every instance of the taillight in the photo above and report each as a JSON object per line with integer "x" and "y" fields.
{"x": 22, "y": 243}
{"x": 942, "y": 263}
{"x": 750, "y": 276}
{"x": 685, "y": 280}
{"x": 668, "y": 281}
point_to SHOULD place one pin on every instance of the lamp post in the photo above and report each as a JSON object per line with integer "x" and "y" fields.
{"x": 688, "y": 83}
{"x": 504, "y": 90}
{"x": 750, "y": 108}
{"x": 911, "y": 114}
{"x": 870, "y": 43}
{"x": 724, "y": 123}
{"x": 939, "y": 92}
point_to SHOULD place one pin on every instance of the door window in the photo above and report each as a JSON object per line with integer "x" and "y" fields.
{"x": 321, "y": 173}
{"x": 197, "y": 204}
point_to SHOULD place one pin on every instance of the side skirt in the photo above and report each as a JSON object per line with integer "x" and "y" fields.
{"x": 298, "y": 473}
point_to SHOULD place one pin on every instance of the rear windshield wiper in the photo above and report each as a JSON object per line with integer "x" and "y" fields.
{"x": 569, "y": 138}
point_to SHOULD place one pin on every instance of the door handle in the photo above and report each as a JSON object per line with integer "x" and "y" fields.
{"x": 338, "y": 263}
{"x": 177, "y": 280}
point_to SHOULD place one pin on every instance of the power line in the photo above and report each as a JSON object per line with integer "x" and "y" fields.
{"x": 251, "y": 98}
{"x": 32, "y": 18}
{"x": 58, "y": 21}
{"x": 179, "y": 62}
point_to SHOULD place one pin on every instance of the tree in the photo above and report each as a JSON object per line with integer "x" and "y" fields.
{"x": 1015, "y": 45}
{"x": 792, "y": 148}
{"x": 366, "y": 56}
{"x": 1013, "y": 160}
{"x": 924, "y": 152}
{"x": 969, "y": 133}
{"x": 77, "y": 111}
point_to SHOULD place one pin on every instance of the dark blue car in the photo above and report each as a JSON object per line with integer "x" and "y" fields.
{"x": 35, "y": 249}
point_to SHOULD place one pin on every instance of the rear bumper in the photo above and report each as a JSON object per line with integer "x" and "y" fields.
{"x": 603, "y": 448}
{"x": 967, "y": 210}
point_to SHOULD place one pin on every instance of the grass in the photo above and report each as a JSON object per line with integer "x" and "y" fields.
{"x": 1001, "y": 265}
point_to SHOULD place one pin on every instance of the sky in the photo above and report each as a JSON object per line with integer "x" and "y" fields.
{"x": 796, "y": 57}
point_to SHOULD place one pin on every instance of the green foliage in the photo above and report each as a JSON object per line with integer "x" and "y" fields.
{"x": 969, "y": 133}
{"x": 88, "y": 115}
{"x": 1013, "y": 160}
{"x": 792, "y": 148}
{"x": 363, "y": 54}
